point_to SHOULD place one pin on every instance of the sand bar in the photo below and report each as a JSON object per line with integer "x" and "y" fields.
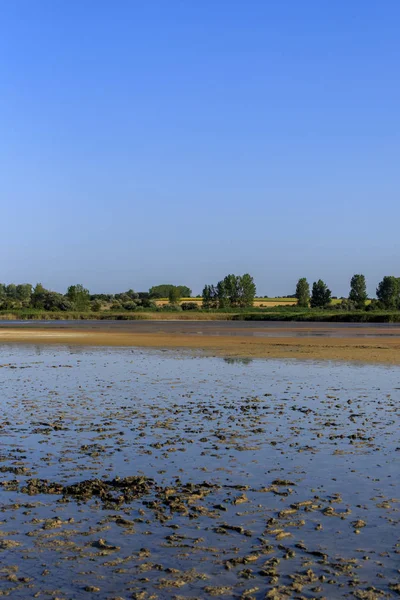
{"x": 369, "y": 345}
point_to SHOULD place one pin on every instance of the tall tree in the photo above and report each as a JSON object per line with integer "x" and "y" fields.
{"x": 11, "y": 291}
{"x": 210, "y": 297}
{"x": 38, "y": 297}
{"x": 24, "y": 293}
{"x": 222, "y": 295}
{"x": 321, "y": 295}
{"x": 174, "y": 295}
{"x": 388, "y": 292}
{"x": 79, "y": 296}
{"x": 358, "y": 291}
{"x": 303, "y": 292}
{"x": 232, "y": 291}
{"x": 248, "y": 290}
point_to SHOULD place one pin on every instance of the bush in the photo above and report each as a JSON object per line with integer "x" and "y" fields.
{"x": 147, "y": 303}
{"x": 96, "y": 305}
{"x": 54, "y": 301}
{"x": 170, "y": 308}
{"x": 345, "y": 304}
{"x": 116, "y": 305}
{"x": 374, "y": 305}
{"x": 130, "y": 305}
{"x": 190, "y": 306}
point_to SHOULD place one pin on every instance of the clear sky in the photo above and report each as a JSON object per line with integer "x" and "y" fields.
{"x": 168, "y": 141}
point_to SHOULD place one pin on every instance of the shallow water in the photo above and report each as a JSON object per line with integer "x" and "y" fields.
{"x": 225, "y": 447}
{"x": 224, "y": 328}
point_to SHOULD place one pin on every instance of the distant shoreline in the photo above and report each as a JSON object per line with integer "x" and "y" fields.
{"x": 289, "y": 314}
{"x": 352, "y": 345}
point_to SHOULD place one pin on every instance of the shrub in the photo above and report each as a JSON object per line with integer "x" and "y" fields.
{"x": 190, "y": 306}
{"x": 130, "y": 305}
{"x": 170, "y": 308}
{"x": 374, "y": 305}
{"x": 345, "y": 304}
{"x": 96, "y": 305}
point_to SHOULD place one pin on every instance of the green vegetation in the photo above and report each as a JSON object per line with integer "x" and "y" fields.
{"x": 278, "y": 313}
{"x": 358, "y": 291}
{"x": 163, "y": 291}
{"x": 78, "y": 296}
{"x": 388, "y": 292}
{"x": 303, "y": 292}
{"x": 320, "y": 296}
{"x": 231, "y": 292}
{"x": 174, "y": 294}
{"x": 233, "y": 298}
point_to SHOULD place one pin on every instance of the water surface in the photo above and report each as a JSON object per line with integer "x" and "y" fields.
{"x": 257, "y": 476}
{"x": 218, "y": 328}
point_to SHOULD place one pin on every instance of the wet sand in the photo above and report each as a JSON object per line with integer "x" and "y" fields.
{"x": 350, "y": 342}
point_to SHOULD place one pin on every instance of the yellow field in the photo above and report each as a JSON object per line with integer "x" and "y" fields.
{"x": 267, "y": 302}
{"x": 259, "y": 302}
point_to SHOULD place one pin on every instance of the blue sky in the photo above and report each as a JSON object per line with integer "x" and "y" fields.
{"x": 178, "y": 141}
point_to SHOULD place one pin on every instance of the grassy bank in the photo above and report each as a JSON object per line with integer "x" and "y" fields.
{"x": 255, "y": 314}
{"x": 323, "y": 316}
{"x": 37, "y": 315}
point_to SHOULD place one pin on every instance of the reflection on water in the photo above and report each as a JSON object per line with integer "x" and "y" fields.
{"x": 282, "y": 475}
{"x": 238, "y": 361}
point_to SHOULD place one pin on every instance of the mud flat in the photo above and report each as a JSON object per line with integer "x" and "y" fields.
{"x": 369, "y": 344}
{"x": 139, "y": 473}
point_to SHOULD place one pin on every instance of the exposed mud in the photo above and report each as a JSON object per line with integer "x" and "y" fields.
{"x": 364, "y": 343}
{"x": 148, "y": 474}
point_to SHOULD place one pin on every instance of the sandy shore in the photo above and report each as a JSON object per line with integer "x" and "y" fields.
{"x": 370, "y": 349}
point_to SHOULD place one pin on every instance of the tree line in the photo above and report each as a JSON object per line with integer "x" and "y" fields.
{"x": 239, "y": 292}
{"x": 387, "y": 294}
{"x": 233, "y": 291}
{"x": 77, "y": 297}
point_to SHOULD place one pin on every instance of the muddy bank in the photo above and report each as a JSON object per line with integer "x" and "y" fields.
{"x": 375, "y": 345}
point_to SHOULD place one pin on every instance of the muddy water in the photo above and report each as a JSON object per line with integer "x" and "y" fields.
{"x": 145, "y": 474}
{"x": 217, "y": 328}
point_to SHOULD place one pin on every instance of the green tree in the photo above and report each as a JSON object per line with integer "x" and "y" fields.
{"x": 321, "y": 295}
{"x": 302, "y": 292}
{"x": 38, "y": 296}
{"x": 162, "y": 291}
{"x": 247, "y": 290}
{"x": 222, "y": 295}
{"x": 210, "y": 297}
{"x": 24, "y": 293}
{"x": 387, "y": 292}
{"x": 79, "y": 297}
{"x": 232, "y": 291}
{"x": 185, "y": 291}
{"x": 132, "y": 294}
{"x": 174, "y": 295}
{"x": 11, "y": 291}
{"x": 129, "y": 296}
{"x": 54, "y": 301}
{"x": 358, "y": 291}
